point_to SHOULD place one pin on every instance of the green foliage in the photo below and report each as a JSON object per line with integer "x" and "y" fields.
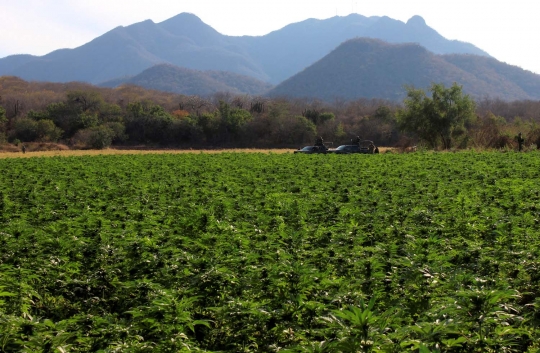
{"x": 3, "y": 121}
{"x": 232, "y": 119}
{"x": 84, "y": 100}
{"x": 87, "y": 120}
{"x": 97, "y": 137}
{"x": 209, "y": 124}
{"x": 26, "y": 129}
{"x": 384, "y": 114}
{"x": 239, "y": 252}
{"x": 438, "y": 119}
{"x": 47, "y": 131}
{"x": 38, "y": 115}
{"x": 185, "y": 130}
{"x": 64, "y": 116}
{"x": 3, "y": 118}
{"x": 119, "y": 131}
{"x": 147, "y": 122}
{"x": 302, "y": 129}
{"x": 110, "y": 113}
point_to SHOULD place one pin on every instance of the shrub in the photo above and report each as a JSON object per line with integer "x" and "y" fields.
{"x": 99, "y": 137}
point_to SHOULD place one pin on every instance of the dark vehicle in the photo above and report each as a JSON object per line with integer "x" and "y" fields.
{"x": 363, "y": 146}
{"x": 346, "y": 149}
{"x": 312, "y": 149}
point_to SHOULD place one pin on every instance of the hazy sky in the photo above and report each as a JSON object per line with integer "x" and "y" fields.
{"x": 508, "y": 30}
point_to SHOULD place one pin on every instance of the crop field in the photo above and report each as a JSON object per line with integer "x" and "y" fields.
{"x": 257, "y": 252}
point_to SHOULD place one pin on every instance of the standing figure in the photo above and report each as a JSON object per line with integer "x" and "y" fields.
{"x": 520, "y": 141}
{"x": 23, "y": 149}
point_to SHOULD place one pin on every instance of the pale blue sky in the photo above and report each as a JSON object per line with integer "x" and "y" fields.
{"x": 508, "y": 30}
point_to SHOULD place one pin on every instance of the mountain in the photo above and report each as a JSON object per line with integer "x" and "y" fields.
{"x": 371, "y": 68}
{"x": 289, "y": 50}
{"x": 169, "y": 78}
{"x": 185, "y": 41}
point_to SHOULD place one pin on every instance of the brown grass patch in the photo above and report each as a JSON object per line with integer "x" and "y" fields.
{"x": 112, "y": 151}
{"x": 53, "y": 150}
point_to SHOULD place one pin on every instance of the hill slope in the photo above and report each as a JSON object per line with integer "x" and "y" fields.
{"x": 374, "y": 69}
{"x": 174, "y": 79}
{"x": 185, "y": 41}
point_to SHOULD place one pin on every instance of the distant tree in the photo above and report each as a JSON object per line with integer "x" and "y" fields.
{"x": 119, "y": 130}
{"x": 437, "y": 119}
{"x": 85, "y": 100}
{"x": 209, "y": 125}
{"x": 3, "y": 123}
{"x": 232, "y": 119}
{"x": 47, "y": 131}
{"x": 97, "y": 137}
{"x": 293, "y": 130}
{"x": 28, "y": 130}
{"x": 63, "y": 116}
{"x": 185, "y": 130}
{"x": 87, "y": 119}
{"x": 25, "y": 130}
{"x": 38, "y": 115}
{"x": 147, "y": 122}
{"x": 489, "y": 132}
{"x": 110, "y": 113}
{"x": 3, "y": 118}
{"x": 194, "y": 104}
{"x": 325, "y": 117}
{"x": 383, "y": 114}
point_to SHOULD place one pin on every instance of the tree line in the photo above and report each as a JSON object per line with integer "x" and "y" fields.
{"x": 85, "y": 116}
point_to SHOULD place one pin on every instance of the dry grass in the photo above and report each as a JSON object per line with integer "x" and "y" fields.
{"x": 53, "y": 150}
{"x": 111, "y": 151}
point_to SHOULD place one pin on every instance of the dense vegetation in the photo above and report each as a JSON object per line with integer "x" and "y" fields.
{"x": 85, "y": 116}
{"x": 255, "y": 252}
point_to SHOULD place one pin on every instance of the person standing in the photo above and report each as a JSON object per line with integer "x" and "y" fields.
{"x": 520, "y": 141}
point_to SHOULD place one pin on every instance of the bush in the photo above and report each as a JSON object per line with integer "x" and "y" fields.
{"x": 119, "y": 130}
{"x": 28, "y": 130}
{"x": 25, "y": 129}
{"x": 47, "y": 131}
{"x": 99, "y": 137}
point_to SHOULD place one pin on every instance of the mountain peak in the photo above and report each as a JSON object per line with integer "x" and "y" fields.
{"x": 188, "y": 25}
{"x": 416, "y": 21}
{"x": 185, "y": 22}
{"x": 184, "y": 17}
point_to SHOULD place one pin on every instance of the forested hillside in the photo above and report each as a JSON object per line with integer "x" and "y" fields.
{"x": 174, "y": 79}
{"x": 84, "y": 116}
{"x": 372, "y": 68}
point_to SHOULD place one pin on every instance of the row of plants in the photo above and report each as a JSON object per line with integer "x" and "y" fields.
{"x": 233, "y": 252}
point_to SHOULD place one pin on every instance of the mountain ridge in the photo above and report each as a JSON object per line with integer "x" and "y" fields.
{"x": 170, "y": 78}
{"x": 186, "y": 41}
{"x": 371, "y": 68}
